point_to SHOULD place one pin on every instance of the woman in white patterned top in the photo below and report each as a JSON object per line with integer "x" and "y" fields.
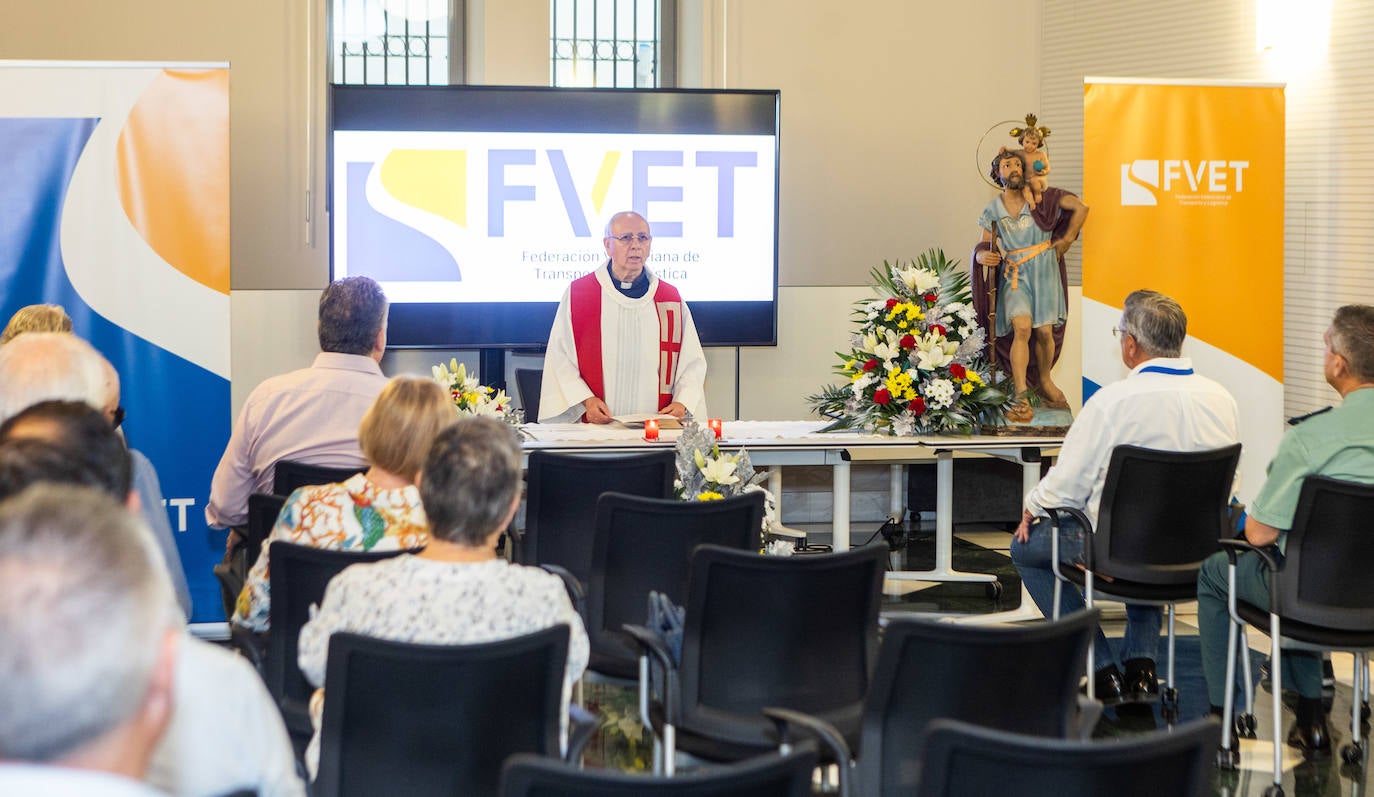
{"x": 456, "y": 591}
{"x": 378, "y": 510}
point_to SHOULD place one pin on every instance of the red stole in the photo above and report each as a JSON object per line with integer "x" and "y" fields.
{"x": 585, "y": 310}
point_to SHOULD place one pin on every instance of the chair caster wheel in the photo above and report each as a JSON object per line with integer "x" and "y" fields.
{"x": 1169, "y": 713}
{"x": 1228, "y": 760}
{"x": 1274, "y": 790}
{"x": 1245, "y": 726}
{"x": 1352, "y": 753}
{"x": 993, "y": 589}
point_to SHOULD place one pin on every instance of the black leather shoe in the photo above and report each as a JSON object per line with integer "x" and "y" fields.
{"x": 1141, "y": 685}
{"x": 1313, "y": 739}
{"x": 1108, "y": 687}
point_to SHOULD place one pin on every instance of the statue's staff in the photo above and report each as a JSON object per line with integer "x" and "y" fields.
{"x": 990, "y": 280}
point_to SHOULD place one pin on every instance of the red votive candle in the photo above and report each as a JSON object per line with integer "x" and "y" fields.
{"x": 651, "y": 429}
{"x": 714, "y": 423}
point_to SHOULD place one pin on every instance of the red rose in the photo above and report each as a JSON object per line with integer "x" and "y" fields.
{"x": 881, "y": 396}
{"x": 929, "y": 297}
{"x": 957, "y": 371}
{"x": 891, "y": 303}
{"x": 936, "y": 328}
{"x": 870, "y": 365}
{"x": 907, "y": 341}
{"x": 918, "y": 405}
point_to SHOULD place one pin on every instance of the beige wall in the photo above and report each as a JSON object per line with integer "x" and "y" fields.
{"x": 883, "y": 105}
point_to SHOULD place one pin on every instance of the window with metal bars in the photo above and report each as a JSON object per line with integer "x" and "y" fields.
{"x": 613, "y": 43}
{"x": 396, "y": 42}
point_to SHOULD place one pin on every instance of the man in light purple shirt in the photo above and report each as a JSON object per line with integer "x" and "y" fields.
{"x": 310, "y": 415}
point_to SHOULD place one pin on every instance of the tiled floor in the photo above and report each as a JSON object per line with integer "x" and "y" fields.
{"x": 983, "y": 549}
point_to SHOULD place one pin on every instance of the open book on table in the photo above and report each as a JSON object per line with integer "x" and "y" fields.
{"x": 636, "y": 420}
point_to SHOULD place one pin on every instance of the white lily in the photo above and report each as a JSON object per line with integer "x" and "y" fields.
{"x": 919, "y": 280}
{"x": 720, "y": 470}
{"x": 933, "y": 352}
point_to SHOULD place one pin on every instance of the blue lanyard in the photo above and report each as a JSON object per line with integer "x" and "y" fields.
{"x": 1159, "y": 369}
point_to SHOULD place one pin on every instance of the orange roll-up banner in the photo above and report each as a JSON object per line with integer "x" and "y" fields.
{"x": 1185, "y": 180}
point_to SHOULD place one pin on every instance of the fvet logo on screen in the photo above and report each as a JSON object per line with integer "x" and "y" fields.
{"x": 1200, "y": 183}
{"x": 562, "y": 189}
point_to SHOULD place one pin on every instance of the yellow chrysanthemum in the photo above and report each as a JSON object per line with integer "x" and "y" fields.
{"x": 967, "y": 388}
{"x": 710, "y": 495}
{"x": 975, "y": 378}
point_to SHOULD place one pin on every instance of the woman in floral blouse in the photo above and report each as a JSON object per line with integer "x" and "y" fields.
{"x": 378, "y": 510}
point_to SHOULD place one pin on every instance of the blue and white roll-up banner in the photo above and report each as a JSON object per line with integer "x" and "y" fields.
{"x": 114, "y": 203}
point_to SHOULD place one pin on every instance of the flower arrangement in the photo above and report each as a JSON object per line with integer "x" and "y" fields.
{"x": 704, "y": 473}
{"x": 471, "y": 398}
{"x": 915, "y": 366}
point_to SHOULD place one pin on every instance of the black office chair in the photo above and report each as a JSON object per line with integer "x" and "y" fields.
{"x": 1321, "y": 595}
{"x": 560, "y": 504}
{"x": 644, "y": 544}
{"x": 1021, "y": 679}
{"x": 528, "y": 382}
{"x": 797, "y": 632}
{"x": 766, "y": 776}
{"x": 963, "y": 760}
{"x": 263, "y": 510}
{"x": 288, "y": 475}
{"x": 298, "y": 575}
{"x": 423, "y": 720}
{"x": 1161, "y": 514}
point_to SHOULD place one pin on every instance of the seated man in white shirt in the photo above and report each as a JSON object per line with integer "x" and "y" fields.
{"x": 89, "y": 639}
{"x": 622, "y": 341}
{"x": 1161, "y": 404}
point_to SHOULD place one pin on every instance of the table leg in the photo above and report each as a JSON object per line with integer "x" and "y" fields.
{"x": 896, "y": 485}
{"x": 1030, "y": 476}
{"x": 944, "y": 531}
{"x": 840, "y": 510}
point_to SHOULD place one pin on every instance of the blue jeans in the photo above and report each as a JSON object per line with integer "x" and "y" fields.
{"x": 1032, "y": 560}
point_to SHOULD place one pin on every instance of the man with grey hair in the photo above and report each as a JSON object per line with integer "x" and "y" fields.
{"x": 310, "y": 415}
{"x": 622, "y": 341}
{"x": 221, "y": 703}
{"x": 1161, "y": 404}
{"x": 1338, "y": 443}
{"x": 48, "y": 366}
{"x": 88, "y": 645}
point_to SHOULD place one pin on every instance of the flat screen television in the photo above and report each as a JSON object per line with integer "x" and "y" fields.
{"x": 475, "y": 206}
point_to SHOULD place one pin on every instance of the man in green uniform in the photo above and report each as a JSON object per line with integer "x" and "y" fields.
{"x": 1338, "y": 443}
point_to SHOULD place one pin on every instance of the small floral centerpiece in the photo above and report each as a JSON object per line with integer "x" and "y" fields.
{"x": 916, "y": 364}
{"x": 704, "y": 473}
{"x": 471, "y": 398}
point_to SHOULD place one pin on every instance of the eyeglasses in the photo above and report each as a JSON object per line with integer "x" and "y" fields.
{"x": 629, "y": 238}
{"x": 1119, "y": 332}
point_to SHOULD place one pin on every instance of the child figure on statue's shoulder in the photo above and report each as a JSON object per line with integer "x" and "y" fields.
{"x": 1034, "y": 158}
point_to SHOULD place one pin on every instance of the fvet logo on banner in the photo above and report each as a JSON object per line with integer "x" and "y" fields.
{"x": 1188, "y": 182}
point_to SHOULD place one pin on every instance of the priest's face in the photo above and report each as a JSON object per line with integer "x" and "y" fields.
{"x": 628, "y": 245}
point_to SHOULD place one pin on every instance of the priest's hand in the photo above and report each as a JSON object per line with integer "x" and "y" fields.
{"x": 596, "y": 410}
{"x": 676, "y": 409}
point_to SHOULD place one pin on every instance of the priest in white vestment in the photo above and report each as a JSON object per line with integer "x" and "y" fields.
{"x": 623, "y": 341}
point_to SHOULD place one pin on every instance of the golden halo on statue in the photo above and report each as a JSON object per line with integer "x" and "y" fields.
{"x": 982, "y": 156}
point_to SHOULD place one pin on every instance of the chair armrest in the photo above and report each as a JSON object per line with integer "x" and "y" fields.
{"x": 252, "y": 645}
{"x": 1076, "y": 514}
{"x": 1233, "y": 547}
{"x": 785, "y": 718}
{"x": 650, "y": 644}
{"x": 582, "y": 724}
{"x": 576, "y": 593}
